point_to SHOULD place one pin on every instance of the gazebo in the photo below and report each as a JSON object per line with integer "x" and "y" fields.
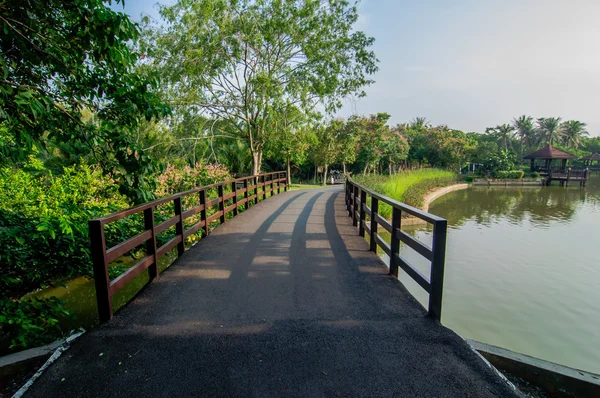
{"x": 548, "y": 154}
{"x": 593, "y": 157}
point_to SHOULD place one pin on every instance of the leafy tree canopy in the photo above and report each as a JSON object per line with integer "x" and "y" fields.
{"x": 59, "y": 57}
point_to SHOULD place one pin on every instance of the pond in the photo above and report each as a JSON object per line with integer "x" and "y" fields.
{"x": 522, "y": 269}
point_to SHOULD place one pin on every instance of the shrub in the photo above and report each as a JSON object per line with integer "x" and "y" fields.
{"x": 535, "y": 174}
{"x": 44, "y": 239}
{"x": 409, "y": 187}
{"x": 511, "y": 174}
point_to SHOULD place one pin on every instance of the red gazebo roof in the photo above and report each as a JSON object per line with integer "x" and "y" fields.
{"x": 593, "y": 156}
{"x": 549, "y": 152}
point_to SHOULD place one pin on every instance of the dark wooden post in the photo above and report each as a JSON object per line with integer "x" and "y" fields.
{"x": 272, "y": 185}
{"x": 151, "y": 244}
{"x": 256, "y": 189}
{"x": 394, "y": 242}
{"x": 221, "y": 203}
{"x": 285, "y": 183}
{"x": 278, "y": 183}
{"x": 354, "y": 219}
{"x": 363, "y": 203}
{"x": 348, "y": 198}
{"x": 203, "y": 211}
{"x": 234, "y": 190}
{"x": 101, "y": 279}
{"x": 437, "y": 269}
{"x": 179, "y": 226}
{"x": 246, "y": 204}
{"x": 264, "y": 187}
{"x": 374, "y": 211}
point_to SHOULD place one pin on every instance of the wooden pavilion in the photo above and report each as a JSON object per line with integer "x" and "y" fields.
{"x": 594, "y": 157}
{"x": 548, "y": 154}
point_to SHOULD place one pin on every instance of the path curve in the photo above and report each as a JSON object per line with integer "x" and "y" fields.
{"x": 283, "y": 300}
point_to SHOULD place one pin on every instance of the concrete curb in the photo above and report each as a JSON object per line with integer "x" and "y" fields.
{"x": 429, "y": 198}
{"x": 557, "y": 380}
{"x": 62, "y": 347}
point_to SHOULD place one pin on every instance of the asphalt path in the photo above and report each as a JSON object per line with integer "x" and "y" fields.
{"x": 284, "y": 300}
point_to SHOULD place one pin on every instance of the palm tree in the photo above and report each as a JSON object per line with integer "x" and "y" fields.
{"x": 573, "y": 133}
{"x": 525, "y": 130}
{"x": 504, "y": 133}
{"x": 549, "y": 129}
{"x": 419, "y": 122}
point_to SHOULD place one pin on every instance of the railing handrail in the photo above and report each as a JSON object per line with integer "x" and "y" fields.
{"x": 157, "y": 202}
{"x": 103, "y": 256}
{"x": 436, "y": 254}
{"x": 423, "y": 215}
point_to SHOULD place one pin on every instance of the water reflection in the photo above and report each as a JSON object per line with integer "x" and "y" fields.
{"x": 540, "y": 205}
{"x": 522, "y": 270}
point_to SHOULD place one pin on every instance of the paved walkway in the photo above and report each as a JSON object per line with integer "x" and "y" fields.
{"x": 284, "y": 300}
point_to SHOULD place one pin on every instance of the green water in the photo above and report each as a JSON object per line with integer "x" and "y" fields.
{"x": 522, "y": 269}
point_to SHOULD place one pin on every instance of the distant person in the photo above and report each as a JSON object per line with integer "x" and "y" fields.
{"x": 332, "y": 180}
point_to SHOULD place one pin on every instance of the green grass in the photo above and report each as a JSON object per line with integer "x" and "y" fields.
{"x": 409, "y": 187}
{"x": 295, "y": 187}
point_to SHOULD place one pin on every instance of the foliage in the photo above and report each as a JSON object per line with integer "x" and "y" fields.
{"x": 174, "y": 180}
{"x": 510, "y": 174}
{"x": 30, "y": 322}
{"x": 409, "y": 187}
{"x": 498, "y": 162}
{"x": 246, "y": 62}
{"x": 43, "y": 225}
{"x": 59, "y": 58}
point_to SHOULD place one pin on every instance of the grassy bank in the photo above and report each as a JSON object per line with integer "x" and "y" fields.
{"x": 409, "y": 187}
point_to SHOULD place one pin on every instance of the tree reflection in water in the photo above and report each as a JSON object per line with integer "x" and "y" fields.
{"x": 539, "y": 205}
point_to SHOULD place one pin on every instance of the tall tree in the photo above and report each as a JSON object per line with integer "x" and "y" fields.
{"x": 573, "y": 133}
{"x": 504, "y": 133}
{"x": 549, "y": 129}
{"x": 525, "y": 130}
{"x": 244, "y": 61}
{"x": 58, "y": 57}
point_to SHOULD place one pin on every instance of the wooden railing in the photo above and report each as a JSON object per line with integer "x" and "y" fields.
{"x": 356, "y": 203}
{"x": 103, "y": 256}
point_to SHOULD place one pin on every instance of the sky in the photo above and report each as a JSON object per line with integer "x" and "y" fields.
{"x": 472, "y": 64}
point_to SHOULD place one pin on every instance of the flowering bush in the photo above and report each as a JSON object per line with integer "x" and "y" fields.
{"x": 175, "y": 180}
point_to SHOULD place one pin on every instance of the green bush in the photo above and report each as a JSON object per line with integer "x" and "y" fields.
{"x": 535, "y": 174}
{"x": 511, "y": 174}
{"x": 44, "y": 239}
{"x": 30, "y": 322}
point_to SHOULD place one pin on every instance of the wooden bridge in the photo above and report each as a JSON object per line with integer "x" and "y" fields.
{"x": 285, "y": 298}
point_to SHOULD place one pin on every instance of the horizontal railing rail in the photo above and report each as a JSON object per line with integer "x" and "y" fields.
{"x": 356, "y": 203}
{"x": 244, "y": 191}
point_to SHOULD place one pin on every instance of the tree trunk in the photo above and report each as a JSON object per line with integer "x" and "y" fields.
{"x": 289, "y": 174}
{"x": 344, "y": 166}
{"x": 390, "y": 165}
{"x": 256, "y": 162}
{"x": 366, "y": 168}
{"x": 315, "y": 179}
{"x": 325, "y": 175}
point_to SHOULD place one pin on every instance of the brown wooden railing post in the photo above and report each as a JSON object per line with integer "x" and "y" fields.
{"x": 285, "y": 183}
{"x": 203, "y": 211}
{"x": 246, "y": 204}
{"x": 151, "y": 244}
{"x": 437, "y": 269}
{"x": 363, "y": 203}
{"x": 264, "y": 187}
{"x": 394, "y": 242}
{"x": 354, "y": 219}
{"x": 221, "y": 204}
{"x": 272, "y": 185}
{"x": 179, "y": 226}
{"x": 234, "y": 190}
{"x": 278, "y": 183}
{"x": 374, "y": 212}
{"x": 348, "y": 198}
{"x": 256, "y": 190}
{"x": 101, "y": 278}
